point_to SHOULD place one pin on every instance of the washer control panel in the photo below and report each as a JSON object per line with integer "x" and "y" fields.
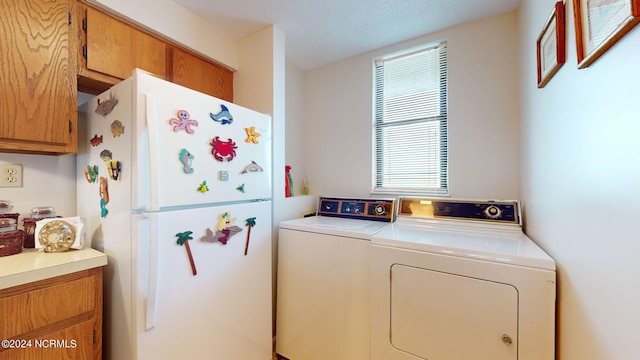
{"x": 363, "y": 209}
{"x": 507, "y": 211}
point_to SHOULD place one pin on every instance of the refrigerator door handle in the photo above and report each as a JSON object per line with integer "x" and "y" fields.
{"x": 154, "y": 166}
{"x": 152, "y": 288}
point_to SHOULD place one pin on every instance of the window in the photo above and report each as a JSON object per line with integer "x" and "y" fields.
{"x": 411, "y": 122}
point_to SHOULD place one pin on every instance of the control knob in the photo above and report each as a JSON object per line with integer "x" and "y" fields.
{"x": 493, "y": 212}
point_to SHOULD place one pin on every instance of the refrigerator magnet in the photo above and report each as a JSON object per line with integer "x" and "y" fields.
{"x": 252, "y": 135}
{"x": 114, "y": 168}
{"x": 224, "y": 175}
{"x": 183, "y": 239}
{"x": 252, "y": 167}
{"x": 240, "y": 188}
{"x": 104, "y": 196}
{"x": 105, "y": 155}
{"x": 91, "y": 173}
{"x": 186, "y": 158}
{"x": 96, "y": 140}
{"x": 183, "y": 122}
{"x": 251, "y": 222}
{"x": 223, "y": 117}
{"x": 223, "y": 150}
{"x": 117, "y": 128}
{"x": 105, "y": 107}
{"x": 203, "y": 188}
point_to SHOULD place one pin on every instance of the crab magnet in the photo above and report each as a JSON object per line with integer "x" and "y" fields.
{"x": 252, "y": 135}
{"x": 186, "y": 158}
{"x": 223, "y": 150}
{"x": 183, "y": 122}
{"x": 223, "y": 117}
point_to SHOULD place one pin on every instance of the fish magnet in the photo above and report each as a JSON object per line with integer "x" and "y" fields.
{"x": 117, "y": 128}
{"x": 252, "y": 167}
{"x": 223, "y": 117}
{"x": 96, "y": 140}
{"x": 105, "y": 107}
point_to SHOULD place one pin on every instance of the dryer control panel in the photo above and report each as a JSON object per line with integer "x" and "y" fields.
{"x": 363, "y": 209}
{"x": 505, "y": 211}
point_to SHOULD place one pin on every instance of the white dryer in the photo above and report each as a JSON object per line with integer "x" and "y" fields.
{"x": 322, "y": 304}
{"x": 455, "y": 279}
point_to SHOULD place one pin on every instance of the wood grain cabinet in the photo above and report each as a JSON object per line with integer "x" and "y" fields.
{"x": 38, "y": 95}
{"x": 110, "y": 48}
{"x": 195, "y": 73}
{"x": 56, "y": 318}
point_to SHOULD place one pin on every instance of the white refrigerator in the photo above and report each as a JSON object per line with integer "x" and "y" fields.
{"x": 175, "y": 188}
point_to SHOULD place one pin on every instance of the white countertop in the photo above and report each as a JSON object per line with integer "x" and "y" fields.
{"x": 33, "y": 265}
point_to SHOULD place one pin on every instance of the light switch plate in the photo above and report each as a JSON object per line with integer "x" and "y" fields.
{"x": 10, "y": 175}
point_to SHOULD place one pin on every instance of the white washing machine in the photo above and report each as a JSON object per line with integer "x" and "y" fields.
{"x": 323, "y": 284}
{"x": 455, "y": 280}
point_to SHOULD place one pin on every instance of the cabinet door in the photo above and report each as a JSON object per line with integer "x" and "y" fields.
{"x": 37, "y": 77}
{"x": 200, "y": 75}
{"x": 115, "y": 48}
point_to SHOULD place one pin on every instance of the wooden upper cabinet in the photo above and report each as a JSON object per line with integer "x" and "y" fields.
{"x": 37, "y": 77}
{"x": 194, "y": 72}
{"x": 112, "y": 49}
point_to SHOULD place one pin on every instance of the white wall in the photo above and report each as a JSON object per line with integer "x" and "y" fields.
{"x": 295, "y": 152}
{"x": 483, "y": 127}
{"x": 580, "y": 186}
{"x": 47, "y": 180}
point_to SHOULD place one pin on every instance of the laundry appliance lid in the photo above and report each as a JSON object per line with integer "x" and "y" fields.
{"x": 359, "y": 229}
{"x": 489, "y": 243}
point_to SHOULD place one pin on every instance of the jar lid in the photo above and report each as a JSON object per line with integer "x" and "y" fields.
{"x": 43, "y": 212}
{"x": 5, "y": 206}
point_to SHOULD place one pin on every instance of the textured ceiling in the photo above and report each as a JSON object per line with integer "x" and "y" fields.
{"x": 318, "y": 32}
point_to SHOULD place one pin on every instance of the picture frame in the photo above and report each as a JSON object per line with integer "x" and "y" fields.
{"x": 600, "y": 24}
{"x": 550, "y": 45}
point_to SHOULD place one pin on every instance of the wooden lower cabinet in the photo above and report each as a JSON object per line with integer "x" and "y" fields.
{"x": 56, "y": 318}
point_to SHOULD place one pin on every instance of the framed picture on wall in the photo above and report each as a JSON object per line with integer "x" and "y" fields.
{"x": 550, "y": 46}
{"x": 600, "y": 24}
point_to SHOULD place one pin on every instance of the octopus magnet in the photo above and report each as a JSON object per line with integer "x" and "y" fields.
{"x": 183, "y": 122}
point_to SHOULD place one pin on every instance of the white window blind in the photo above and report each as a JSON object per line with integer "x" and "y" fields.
{"x": 411, "y": 122}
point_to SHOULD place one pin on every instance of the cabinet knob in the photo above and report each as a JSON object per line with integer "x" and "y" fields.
{"x": 507, "y": 339}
